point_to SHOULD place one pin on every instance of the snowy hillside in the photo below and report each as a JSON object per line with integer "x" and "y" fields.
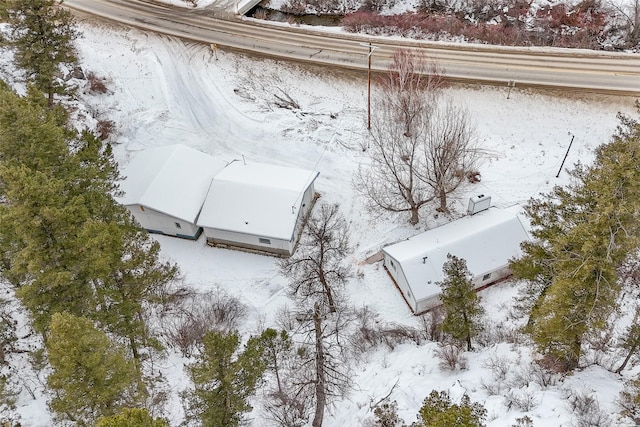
{"x": 164, "y": 91}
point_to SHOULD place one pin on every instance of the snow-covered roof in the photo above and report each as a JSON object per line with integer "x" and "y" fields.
{"x": 486, "y": 240}
{"x": 173, "y": 180}
{"x": 257, "y": 199}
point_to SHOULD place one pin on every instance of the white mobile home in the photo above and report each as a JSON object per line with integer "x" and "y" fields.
{"x": 258, "y": 206}
{"x": 486, "y": 240}
{"x": 164, "y": 188}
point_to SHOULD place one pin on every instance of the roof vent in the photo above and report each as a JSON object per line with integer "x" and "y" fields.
{"x": 478, "y": 204}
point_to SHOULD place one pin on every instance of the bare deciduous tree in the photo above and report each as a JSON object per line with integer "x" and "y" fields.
{"x": 629, "y": 12}
{"x": 313, "y": 369}
{"x": 323, "y": 372}
{"x": 450, "y": 154}
{"x": 411, "y": 87}
{"x": 421, "y": 146}
{"x": 282, "y": 405}
{"x": 317, "y": 271}
{"x": 390, "y": 181}
{"x": 317, "y": 274}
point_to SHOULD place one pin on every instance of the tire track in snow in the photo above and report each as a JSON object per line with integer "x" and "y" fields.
{"x": 200, "y": 100}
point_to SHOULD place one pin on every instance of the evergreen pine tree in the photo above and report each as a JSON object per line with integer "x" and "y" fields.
{"x": 438, "y": 411}
{"x": 131, "y": 417}
{"x": 583, "y": 232}
{"x": 224, "y": 380}
{"x": 131, "y": 278}
{"x": 91, "y": 376}
{"x": 276, "y": 345}
{"x": 460, "y": 301}
{"x": 42, "y": 36}
{"x": 50, "y": 193}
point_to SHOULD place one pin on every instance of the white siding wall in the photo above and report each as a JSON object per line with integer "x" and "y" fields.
{"x": 395, "y": 269}
{"x": 158, "y": 222}
{"x": 305, "y": 207}
{"x": 248, "y": 240}
{"x": 477, "y": 282}
{"x": 307, "y": 199}
{"x": 494, "y": 275}
{"x": 427, "y": 304}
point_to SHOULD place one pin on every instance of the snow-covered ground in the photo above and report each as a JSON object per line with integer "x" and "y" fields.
{"x": 164, "y": 91}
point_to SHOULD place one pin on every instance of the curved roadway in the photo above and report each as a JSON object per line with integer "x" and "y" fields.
{"x": 610, "y": 72}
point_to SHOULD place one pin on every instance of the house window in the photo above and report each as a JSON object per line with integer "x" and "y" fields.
{"x": 264, "y": 241}
{"x": 177, "y": 225}
{"x": 486, "y": 277}
{"x": 392, "y": 264}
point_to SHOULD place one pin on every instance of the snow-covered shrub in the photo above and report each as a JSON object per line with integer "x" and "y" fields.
{"x": 295, "y": 7}
{"x": 431, "y": 322}
{"x": 96, "y": 84}
{"x": 492, "y": 388}
{"x": 525, "y": 421}
{"x": 542, "y": 376}
{"x": 376, "y": 5}
{"x": 8, "y": 396}
{"x": 522, "y": 377}
{"x": 629, "y": 401}
{"x": 386, "y": 414}
{"x": 286, "y": 409}
{"x": 396, "y": 334}
{"x": 586, "y": 409}
{"x": 601, "y": 350}
{"x": 498, "y": 332}
{"x": 481, "y": 10}
{"x": 186, "y": 327}
{"x": 436, "y": 6}
{"x": 287, "y": 319}
{"x": 366, "y": 333}
{"x": 499, "y": 366}
{"x": 524, "y": 399}
{"x": 369, "y": 332}
{"x": 451, "y": 356}
{"x": 104, "y": 128}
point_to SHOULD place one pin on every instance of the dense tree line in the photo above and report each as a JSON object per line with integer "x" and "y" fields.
{"x": 66, "y": 245}
{"x": 585, "y": 232}
{"x": 76, "y": 259}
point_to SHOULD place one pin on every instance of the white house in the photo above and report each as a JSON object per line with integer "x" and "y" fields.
{"x": 164, "y": 188}
{"x": 258, "y": 206}
{"x": 486, "y": 240}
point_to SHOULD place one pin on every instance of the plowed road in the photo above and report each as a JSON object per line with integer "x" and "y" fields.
{"x": 609, "y": 72}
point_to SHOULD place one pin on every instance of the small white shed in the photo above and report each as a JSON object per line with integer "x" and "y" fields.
{"x": 486, "y": 241}
{"x": 258, "y": 206}
{"x": 164, "y": 188}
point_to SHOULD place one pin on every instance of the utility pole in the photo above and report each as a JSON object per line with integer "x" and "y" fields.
{"x": 369, "y": 87}
{"x": 371, "y": 49}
